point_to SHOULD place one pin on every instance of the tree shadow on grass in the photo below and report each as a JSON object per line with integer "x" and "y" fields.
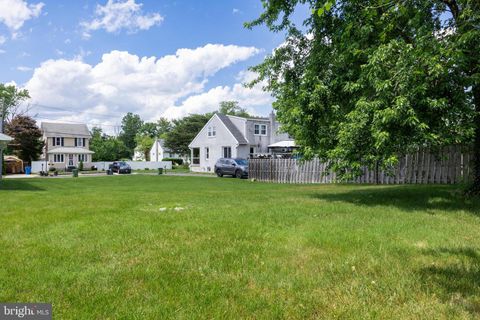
{"x": 18, "y": 185}
{"x": 408, "y": 198}
{"x": 456, "y": 272}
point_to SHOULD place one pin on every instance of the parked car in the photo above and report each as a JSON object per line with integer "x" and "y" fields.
{"x": 120, "y": 167}
{"x": 236, "y": 167}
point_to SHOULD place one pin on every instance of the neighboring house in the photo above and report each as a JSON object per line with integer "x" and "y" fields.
{"x": 235, "y": 137}
{"x": 157, "y": 152}
{"x": 4, "y": 140}
{"x": 66, "y": 145}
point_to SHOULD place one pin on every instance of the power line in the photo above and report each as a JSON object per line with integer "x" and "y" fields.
{"x": 109, "y": 115}
{"x": 77, "y": 122}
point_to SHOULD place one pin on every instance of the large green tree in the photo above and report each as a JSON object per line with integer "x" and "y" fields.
{"x": 144, "y": 144}
{"x": 131, "y": 125}
{"x": 27, "y": 141}
{"x": 233, "y": 108}
{"x": 164, "y": 126}
{"x": 184, "y": 131}
{"x": 11, "y": 99}
{"x": 107, "y": 148}
{"x": 364, "y": 81}
{"x": 155, "y": 129}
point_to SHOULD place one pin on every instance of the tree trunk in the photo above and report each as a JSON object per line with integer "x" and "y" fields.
{"x": 475, "y": 186}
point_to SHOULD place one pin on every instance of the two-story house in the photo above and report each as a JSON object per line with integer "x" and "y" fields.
{"x": 227, "y": 136}
{"x": 66, "y": 145}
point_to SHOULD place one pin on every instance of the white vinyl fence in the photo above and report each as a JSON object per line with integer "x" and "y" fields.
{"x": 103, "y": 165}
{"x": 136, "y": 165}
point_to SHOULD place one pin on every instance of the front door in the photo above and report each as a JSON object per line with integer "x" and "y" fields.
{"x": 70, "y": 160}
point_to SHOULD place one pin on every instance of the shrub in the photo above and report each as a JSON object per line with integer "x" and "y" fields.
{"x": 52, "y": 169}
{"x": 146, "y": 169}
{"x": 93, "y": 168}
{"x": 174, "y": 160}
{"x": 182, "y": 166}
{"x": 80, "y": 166}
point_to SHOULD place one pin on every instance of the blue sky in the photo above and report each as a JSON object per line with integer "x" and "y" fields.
{"x": 59, "y": 49}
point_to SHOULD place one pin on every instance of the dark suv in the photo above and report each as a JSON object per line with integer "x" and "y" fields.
{"x": 235, "y": 167}
{"x": 120, "y": 167}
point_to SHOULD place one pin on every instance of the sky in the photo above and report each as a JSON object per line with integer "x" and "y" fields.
{"x": 94, "y": 61}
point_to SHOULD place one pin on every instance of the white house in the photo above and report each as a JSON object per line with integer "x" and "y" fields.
{"x": 4, "y": 140}
{"x": 157, "y": 152}
{"x": 227, "y": 136}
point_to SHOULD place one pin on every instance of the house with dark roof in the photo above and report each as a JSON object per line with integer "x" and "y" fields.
{"x": 66, "y": 145}
{"x": 226, "y": 136}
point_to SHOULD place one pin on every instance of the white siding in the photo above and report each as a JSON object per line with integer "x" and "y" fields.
{"x": 223, "y": 138}
{"x": 258, "y": 141}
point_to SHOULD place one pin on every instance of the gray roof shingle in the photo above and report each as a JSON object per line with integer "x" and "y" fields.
{"x": 232, "y": 128}
{"x": 52, "y": 129}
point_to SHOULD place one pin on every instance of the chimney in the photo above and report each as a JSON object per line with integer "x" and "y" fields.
{"x": 273, "y": 127}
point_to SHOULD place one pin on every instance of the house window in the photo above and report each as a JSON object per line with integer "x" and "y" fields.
{"x": 58, "y": 158}
{"x": 196, "y": 156}
{"x": 58, "y": 141}
{"x": 82, "y": 157}
{"x": 207, "y": 153}
{"x": 212, "y": 132}
{"x": 252, "y": 151}
{"x": 261, "y": 129}
{"x": 80, "y": 142}
{"x": 227, "y": 152}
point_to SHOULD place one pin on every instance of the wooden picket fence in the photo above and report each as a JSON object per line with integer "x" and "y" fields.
{"x": 450, "y": 165}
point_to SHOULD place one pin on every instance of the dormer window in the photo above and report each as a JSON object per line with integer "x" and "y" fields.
{"x": 212, "y": 131}
{"x": 260, "y": 129}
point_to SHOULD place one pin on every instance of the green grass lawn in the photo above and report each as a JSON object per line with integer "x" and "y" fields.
{"x": 114, "y": 247}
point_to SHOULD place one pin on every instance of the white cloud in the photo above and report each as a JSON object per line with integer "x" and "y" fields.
{"x": 236, "y": 11}
{"x": 2, "y": 51}
{"x": 24, "y": 69}
{"x": 249, "y": 98}
{"x": 2, "y": 39}
{"x": 171, "y": 86}
{"x": 14, "y": 13}
{"x": 120, "y": 14}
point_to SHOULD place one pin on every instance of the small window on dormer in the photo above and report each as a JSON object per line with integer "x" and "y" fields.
{"x": 211, "y": 131}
